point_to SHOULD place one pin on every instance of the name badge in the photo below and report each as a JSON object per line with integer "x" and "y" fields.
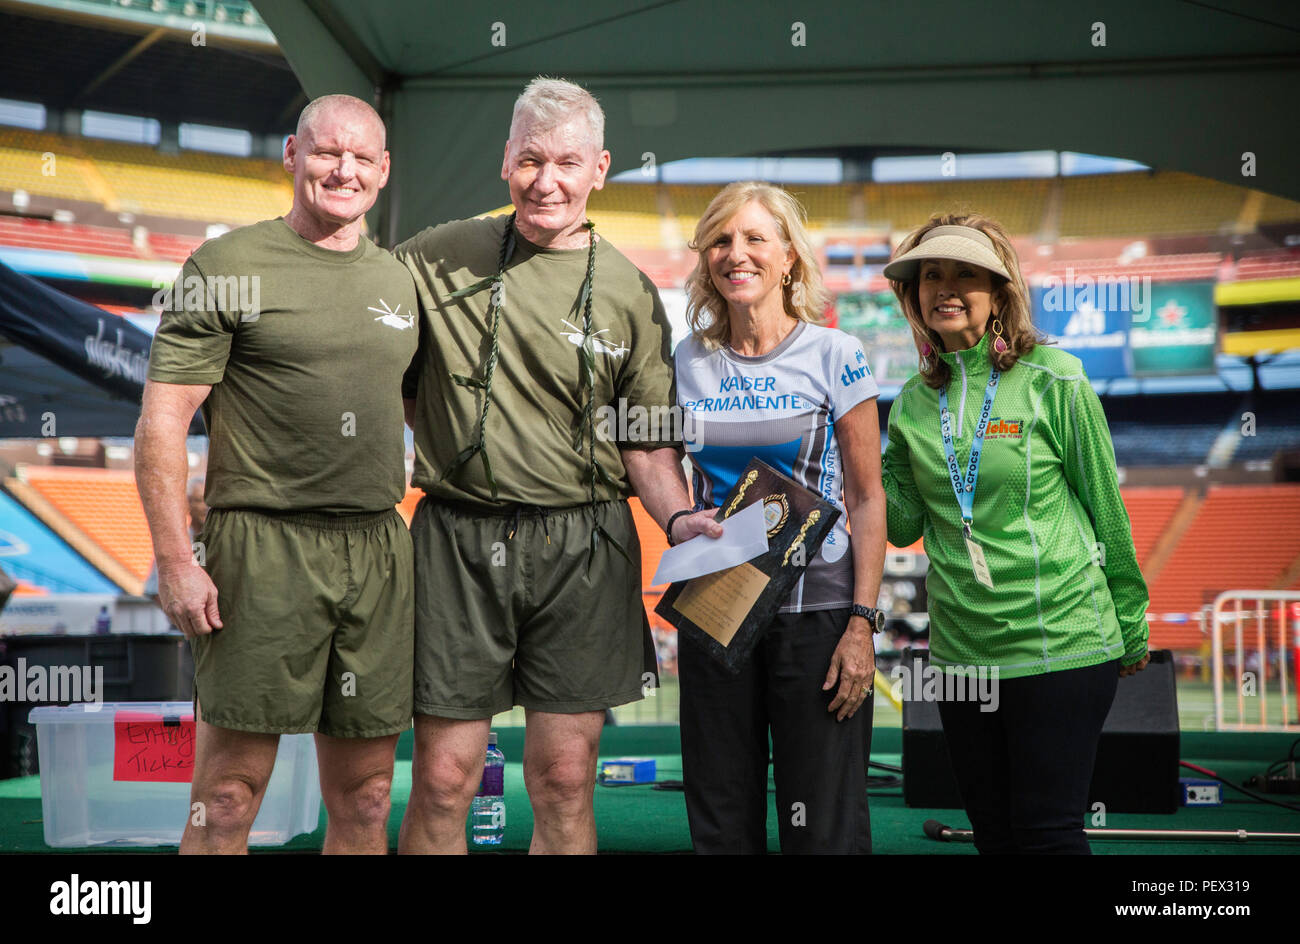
{"x": 978, "y": 564}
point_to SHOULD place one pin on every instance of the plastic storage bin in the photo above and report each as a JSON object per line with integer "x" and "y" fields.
{"x": 136, "y": 668}
{"x": 120, "y": 775}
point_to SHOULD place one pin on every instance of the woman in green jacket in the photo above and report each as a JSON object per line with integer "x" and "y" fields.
{"x": 1000, "y": 458}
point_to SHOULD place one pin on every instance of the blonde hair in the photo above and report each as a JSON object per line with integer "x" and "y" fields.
{"x": 804, "y": 298}
{"x": 1010, "y": 299}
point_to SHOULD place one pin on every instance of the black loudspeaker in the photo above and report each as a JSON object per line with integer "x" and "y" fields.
{"x": 1137, "y": 758}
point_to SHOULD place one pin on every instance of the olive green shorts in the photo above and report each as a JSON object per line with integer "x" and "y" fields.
{"x": 504, "y": 620}
{"x": 317, "y": 617}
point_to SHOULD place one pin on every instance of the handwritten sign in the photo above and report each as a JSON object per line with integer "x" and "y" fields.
{"x": 153, "y": 748}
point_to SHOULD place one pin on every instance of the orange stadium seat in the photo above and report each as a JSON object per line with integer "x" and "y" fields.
{"x": 1278, "y": 264}
{"x": 104, "y": 505}
{"x": 173, "y": 248}
{"x": 1234, "y": 543}
{"x": 1149, "y": 511}
{"x": 407, "y": 506}
{"x": 132, "y": 178}
{"x": 653, "y": 544}
{"x": 66, "y": 237}
{"x": 1184, "y": 266}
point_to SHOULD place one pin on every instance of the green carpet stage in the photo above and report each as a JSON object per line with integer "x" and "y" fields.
{"x": 639, "y": 819}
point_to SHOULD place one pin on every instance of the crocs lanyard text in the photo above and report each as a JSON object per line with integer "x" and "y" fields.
{"x": 964, "y": 487}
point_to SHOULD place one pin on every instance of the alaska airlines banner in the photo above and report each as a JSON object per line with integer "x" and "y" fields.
{"x": 69, "y": 368}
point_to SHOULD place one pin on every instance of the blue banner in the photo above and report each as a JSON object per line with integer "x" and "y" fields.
{"x": 1089, "y": 321}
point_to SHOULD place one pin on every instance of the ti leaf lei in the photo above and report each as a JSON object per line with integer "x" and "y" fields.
{"x": 586, "y": 433}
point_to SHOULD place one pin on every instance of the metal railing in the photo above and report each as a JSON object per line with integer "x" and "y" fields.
{"x": 1266, "y": 606}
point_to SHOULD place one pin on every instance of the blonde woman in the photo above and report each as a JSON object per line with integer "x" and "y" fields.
{"x": 760, "y": 377}
{"x": 1000, "y": 457}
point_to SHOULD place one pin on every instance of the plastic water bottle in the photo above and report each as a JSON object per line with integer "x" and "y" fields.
{"x": 488, "y": 814}
{"x": 103, "y": 622}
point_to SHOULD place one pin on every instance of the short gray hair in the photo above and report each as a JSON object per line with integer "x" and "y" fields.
{"x": 547, "y": 103}
{"x": 327, "y": 102}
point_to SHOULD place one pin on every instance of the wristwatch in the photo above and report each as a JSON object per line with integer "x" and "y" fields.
{"x": 875, "y": 618}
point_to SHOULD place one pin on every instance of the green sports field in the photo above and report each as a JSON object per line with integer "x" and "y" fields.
{"x": 1195, "y": 708}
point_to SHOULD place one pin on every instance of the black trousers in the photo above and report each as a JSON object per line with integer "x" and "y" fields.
{"x": 820, "y": 764}
{"x": 1024, "y": 770}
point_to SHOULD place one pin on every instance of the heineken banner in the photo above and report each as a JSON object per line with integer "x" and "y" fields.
{"x": 876, "y": 319}
{"x": 1121, "y": 326}
{"x": 1179, "y": 330}
{"x": 1117, "y": 326}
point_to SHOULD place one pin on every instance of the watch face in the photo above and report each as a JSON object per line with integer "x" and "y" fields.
{"x": 875, "y": 617}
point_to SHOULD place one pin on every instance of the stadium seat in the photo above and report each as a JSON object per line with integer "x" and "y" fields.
{"x": 1140, "y": 204}
{"x": 1234, "y": 543}
{"x": 104, "y": 505}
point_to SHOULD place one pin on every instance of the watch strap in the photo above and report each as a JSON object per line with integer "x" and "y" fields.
{"x": 668, "y": 529}
{"x": 874, "y": 617}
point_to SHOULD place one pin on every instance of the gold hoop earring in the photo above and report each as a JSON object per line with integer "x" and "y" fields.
{"x": 999, "y": 344}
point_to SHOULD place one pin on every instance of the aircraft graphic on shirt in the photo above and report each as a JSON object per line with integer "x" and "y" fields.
{"x": 393, "y": 317}
{"x": 599, "y": 345}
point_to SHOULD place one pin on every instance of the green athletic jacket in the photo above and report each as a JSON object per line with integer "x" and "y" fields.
{"x": 1067, "y": 591}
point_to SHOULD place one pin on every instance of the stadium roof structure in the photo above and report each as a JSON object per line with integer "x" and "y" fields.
{"x": 126, "y": 57}
{"x": 1178, "y": 84}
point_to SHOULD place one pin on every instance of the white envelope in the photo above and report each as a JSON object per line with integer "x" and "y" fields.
{"x": 744, "y": 537}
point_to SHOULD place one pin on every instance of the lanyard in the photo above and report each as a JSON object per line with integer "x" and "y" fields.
{"x": 964, "y": 488}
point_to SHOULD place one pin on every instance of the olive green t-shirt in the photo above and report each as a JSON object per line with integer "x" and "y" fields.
{"x": 305, "y": 349}
{"x": 537, "y": 391}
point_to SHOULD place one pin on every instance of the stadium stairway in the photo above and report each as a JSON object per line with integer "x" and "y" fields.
{"x": 1234, "y": 542}
{"x": 1158, "y": 517}
{"x": 97, "y": 512}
